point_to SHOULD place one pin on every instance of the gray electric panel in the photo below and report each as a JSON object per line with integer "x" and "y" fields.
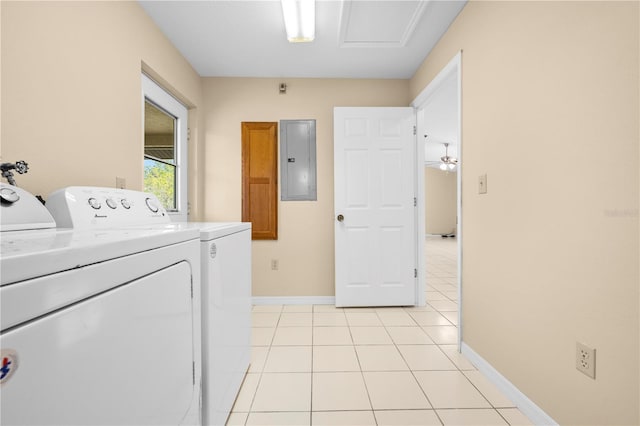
{"x": 298, "y": 160}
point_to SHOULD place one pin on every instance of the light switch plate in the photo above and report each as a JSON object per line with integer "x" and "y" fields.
{"x": 482, "y": 184}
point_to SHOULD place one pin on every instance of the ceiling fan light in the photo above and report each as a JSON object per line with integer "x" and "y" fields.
{"x": 299, "y": 20}
{"x": 452, "y": 166}
{"x": 443, "y": 167}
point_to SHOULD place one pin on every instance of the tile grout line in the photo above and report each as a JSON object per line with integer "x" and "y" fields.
{"x": 264, "y": 366}
{"x": 439, "y": 348}
{"x": 312, "y": 370}
{"x": 411, "y": 370}
{"x": 366, "y": 388}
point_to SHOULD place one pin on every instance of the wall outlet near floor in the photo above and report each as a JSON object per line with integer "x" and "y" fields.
{"x": 275, "y": 264}
{"x": 586, "y": 360}
{"x": 482, "y": 184}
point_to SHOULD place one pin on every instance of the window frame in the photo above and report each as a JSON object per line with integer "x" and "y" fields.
{"x": 154, "y": 93}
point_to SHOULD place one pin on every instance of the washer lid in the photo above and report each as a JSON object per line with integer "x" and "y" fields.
{"x": 30, "y": 254}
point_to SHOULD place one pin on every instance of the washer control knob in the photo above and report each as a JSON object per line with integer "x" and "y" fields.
{"x": 94, "y": 203}
{"x": 152, "y": 205}
{"x": 125, "y": 203}
{"x": 8, "y": 195}
{"x": 111, "y": 203}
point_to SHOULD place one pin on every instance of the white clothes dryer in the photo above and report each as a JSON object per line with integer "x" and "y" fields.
{"x": 97, "y": 327}
{"x": 225, "y": 253}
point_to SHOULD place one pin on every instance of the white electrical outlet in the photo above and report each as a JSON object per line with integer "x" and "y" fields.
{"x": 274, "y": 264}
{"x": 586, "y": 360}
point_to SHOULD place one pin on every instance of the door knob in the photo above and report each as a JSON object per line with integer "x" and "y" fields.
{"x": 340, "y": 218}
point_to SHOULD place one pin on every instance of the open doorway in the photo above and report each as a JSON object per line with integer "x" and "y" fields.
{"x": 438, "y": 131}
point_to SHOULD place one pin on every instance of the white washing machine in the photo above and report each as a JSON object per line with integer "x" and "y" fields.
{"x": 225, "y": 251}
{"x": 97, "y": 327}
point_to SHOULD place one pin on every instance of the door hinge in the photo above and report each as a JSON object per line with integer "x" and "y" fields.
{"x": 192, "y": 287}
{"x": 415, "y": 273}
{"x": 415, "y": 202}
{"x": 415, "y": 130}
{"x": 188, "y": 134}
{"x": 193, "y": 371}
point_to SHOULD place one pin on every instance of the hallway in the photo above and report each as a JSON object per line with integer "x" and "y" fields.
{"x": 321, "y": 365}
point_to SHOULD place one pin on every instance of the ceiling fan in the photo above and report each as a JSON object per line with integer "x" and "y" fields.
{"x": 446, "y": 163}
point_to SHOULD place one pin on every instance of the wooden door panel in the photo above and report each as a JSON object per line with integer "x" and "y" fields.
{"x": 260, "y": 179}
{"x": 259, "y": 196}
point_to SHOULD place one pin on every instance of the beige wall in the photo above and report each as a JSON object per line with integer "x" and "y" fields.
{"x": 71, "y": 91}
{"x": 305, "y": 230}
{"x": 550, "y": 254}
{"x": 440, "y": 203}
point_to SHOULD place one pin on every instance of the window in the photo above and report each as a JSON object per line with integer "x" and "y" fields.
{"x": 165, "y": 148}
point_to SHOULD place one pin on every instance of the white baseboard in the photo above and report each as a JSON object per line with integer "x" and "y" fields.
{"x": 294, "y": 300}
{"x": 528, "y": 407}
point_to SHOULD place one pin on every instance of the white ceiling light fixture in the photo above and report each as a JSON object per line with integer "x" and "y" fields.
{"x": 299, "y": 20}
{"x": 448, "y": 163}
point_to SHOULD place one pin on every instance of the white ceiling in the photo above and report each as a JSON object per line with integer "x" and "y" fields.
{"x": 354, "y": 38}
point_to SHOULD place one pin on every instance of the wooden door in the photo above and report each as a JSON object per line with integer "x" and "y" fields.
{"x": 260, "y": 179}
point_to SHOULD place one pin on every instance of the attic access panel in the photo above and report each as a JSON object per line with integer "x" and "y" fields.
{"x": 298, "y": 160}
{"x": 379, "y": 23}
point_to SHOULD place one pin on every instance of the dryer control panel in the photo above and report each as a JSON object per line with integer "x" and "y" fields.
{"x": 88, "y": 207}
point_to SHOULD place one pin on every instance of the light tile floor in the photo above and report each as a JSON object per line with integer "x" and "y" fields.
{"x": 322, "y": 365}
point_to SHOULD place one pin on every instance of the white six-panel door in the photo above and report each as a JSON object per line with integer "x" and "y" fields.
{"x": 375, "y": 221}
